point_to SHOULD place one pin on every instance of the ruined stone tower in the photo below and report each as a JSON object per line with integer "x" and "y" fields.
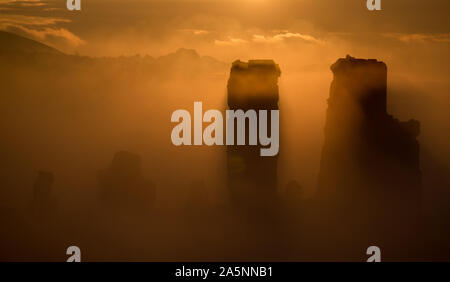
{"x": 370, "y": 160}
{"x": 252, "y": 85}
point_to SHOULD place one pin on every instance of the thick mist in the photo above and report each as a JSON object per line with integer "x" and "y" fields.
{"x": 70, "y": 115}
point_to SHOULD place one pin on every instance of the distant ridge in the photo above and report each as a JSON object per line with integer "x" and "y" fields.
{"x": 185, "y": 60}
{"x": 189, "y": 57}
{"x": 10, "y": 42}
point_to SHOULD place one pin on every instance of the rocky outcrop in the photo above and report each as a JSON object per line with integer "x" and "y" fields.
{"x": 370, "y": 160}
{"x": 252, "y": 85}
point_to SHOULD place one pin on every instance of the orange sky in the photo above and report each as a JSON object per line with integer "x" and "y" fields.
{"x": 301, "y": 35}
{"x": 223, "y": 28}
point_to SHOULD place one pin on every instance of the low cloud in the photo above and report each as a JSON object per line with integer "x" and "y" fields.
{"x": 419, "y": 37}
{"x": 44, "y": 29}
{"x": 17, "y": 4}
{"x": 195, "y": 31}
{"x": 30, "y": 20}
{"x": 285, "y": 36}
{"x": 272, "y": 39}
{"x": 53, "y": 36}
{"x": 230, "y": 42}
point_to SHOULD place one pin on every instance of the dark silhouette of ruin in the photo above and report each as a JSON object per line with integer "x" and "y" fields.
{"x": 369, "y": 170}
{"x": 252, "y": 178}
{"x": 252, "y": 86}
{"x": 44, "y": 203}
{"x": 123, "y": 186}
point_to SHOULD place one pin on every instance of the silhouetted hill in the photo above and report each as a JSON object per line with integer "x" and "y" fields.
{"x": 181, "y": 54}
{"x": 10, "y": 42}
{"x": 189, "y": 60}
{"x": 183, "y": 62}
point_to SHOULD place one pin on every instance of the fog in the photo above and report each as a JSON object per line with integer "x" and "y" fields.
{"x": 116, "y": 87}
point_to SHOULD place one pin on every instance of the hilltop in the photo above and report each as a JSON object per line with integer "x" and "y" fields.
{"x": 11, "y": 43}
